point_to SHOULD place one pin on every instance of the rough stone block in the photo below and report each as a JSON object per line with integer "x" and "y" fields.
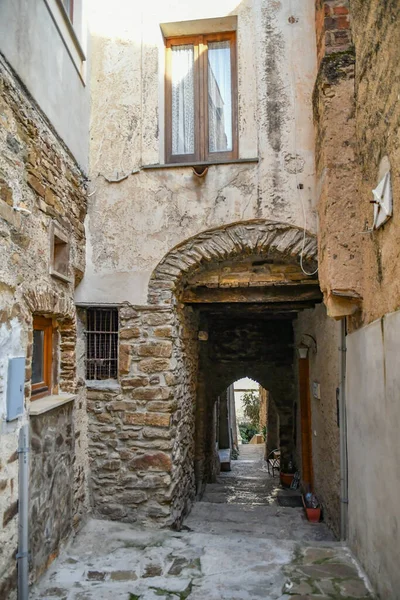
{"x": 151, "y": 461}
{"x": 154, "y": 318}
{"x": 164, "y": 332}
{"x": 150, "y": 433}
{"x": 111, "y": 465}
{"x": 124, "y": 358}
{"x": 129, "y": 333}
{"x": 131, "y": 497}
{"x": 161, "y": 349}
{"x": 151, "y": 393}
{"x": 153, "y": 365}
{"x": 134, "y": 382}
{"x": 160, "y": 406}
{"x": 36, "y": 185}
{"x": 151, "y": 419}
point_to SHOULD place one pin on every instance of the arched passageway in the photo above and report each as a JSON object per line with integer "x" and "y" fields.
{"x": 235, "y": 292}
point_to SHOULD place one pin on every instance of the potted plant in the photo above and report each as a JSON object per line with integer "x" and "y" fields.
{"x": 312, "y": 507}
{"x": 287, "y": 472}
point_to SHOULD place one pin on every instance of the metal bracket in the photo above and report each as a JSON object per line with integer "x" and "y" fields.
{"x": 23, "y": 450}
{"x": 22, "y": 555}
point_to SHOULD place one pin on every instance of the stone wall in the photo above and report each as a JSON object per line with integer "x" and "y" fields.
{"x": 339, "y": 244}
{"x": 377, "y": 47}
{"x": 324, "y": 370}
{"x": 38, "y": 175}
{"x": 142, "y": 430}
{"x": 51, "y": 489}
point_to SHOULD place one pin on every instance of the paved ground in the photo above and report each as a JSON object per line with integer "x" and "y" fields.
{"x": 238, "y": 544}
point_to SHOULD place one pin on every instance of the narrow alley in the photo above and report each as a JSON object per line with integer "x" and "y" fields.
{"x": 237, "y": 544}
{"x": 199, "y": 274}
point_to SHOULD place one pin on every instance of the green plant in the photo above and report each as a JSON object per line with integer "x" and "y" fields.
{"x": 251, "y": 411}
{"x": 247, "y": 431}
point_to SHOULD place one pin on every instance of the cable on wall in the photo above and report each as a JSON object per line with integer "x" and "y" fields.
{"x": 293, "y": 90}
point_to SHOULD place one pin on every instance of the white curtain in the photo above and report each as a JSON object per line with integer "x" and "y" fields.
{"x": 182, "y": 100}
{"x": 219, "y": 97}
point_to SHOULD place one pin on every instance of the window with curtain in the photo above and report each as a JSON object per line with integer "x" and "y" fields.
{"x": 201, "y": 103}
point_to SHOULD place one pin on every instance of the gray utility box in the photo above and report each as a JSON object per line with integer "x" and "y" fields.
{"x": 15, "y": 387}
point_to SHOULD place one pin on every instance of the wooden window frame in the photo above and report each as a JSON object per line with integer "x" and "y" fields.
{"x": 201, "y": 133}
{"x": 44, "y": 388}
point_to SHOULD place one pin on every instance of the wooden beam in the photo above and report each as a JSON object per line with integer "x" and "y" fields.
{"x": 269, "y": 294}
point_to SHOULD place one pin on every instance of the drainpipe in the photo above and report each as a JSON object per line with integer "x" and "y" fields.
{"x": 343, "y": 433}
{"x": 22, "y": 556}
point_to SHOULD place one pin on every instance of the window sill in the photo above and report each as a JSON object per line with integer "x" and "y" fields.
{"x": 43, "y": 405}
{"x": 233, "y": 161}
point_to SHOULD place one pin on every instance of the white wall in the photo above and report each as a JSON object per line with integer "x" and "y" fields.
{"x": 31, "y": 43}
{"x": 373, "y": 412}
{"x": 132, "y": 224}
{"x": 243, "y": 384}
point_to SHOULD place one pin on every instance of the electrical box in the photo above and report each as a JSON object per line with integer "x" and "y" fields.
{"x": 15, "y": 387}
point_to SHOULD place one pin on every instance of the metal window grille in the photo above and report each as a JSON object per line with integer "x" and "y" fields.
{"x": 102, "y": 343}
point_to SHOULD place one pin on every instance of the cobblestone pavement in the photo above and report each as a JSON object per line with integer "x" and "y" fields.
{"x": 243, "y": 548}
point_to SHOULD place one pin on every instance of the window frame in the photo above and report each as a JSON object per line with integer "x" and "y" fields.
{"x": 69, "y": 12}
{"x": 44, "y": 387}
{"x": 93, "y": 340}
{"x": 200, "y": 43}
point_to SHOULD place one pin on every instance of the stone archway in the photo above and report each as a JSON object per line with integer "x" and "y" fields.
{"x": 157, "y": 411}
{"x": 193, "y": 265}
{"x": 257, "y": 237}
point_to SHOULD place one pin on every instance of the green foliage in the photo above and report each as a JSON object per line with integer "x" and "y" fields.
{"x": 247, "y": 431}
{"x": 251, "y": 402}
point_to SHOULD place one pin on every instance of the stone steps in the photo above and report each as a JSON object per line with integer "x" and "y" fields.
{"x": 253, "y": 520}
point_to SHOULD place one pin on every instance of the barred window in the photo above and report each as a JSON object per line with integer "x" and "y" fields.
{"x": 102, "y": 343}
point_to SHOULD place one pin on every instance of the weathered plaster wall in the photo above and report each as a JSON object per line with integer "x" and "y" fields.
{"x": 373, "y": 413}
{"x": 324, "y": 369}
{"x": 132, "y": 224}
{"x": 37, "y": 173}
{"x": 377, "y": 46}
{"x": 32, "y": 44}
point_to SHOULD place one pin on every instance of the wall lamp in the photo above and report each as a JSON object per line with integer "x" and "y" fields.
{"x": 306, "y": 344}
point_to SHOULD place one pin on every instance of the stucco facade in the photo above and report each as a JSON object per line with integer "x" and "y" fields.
{"x": 134, "y": 222}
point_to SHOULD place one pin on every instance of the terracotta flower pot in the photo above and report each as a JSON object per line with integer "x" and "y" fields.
{"x": 313, "y": 514}
{"x": 286, "y": 478}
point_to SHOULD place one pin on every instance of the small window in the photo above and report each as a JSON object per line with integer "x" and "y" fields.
{"x": 59, "y": 254}
{"x": 69, "y": 9}
{"x": 42, "y": 357}
{"x": 201, "y": 98}
{"x": 102, "y": 343}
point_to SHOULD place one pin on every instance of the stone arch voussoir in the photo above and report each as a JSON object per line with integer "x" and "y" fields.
{"x": 259, "y": 237}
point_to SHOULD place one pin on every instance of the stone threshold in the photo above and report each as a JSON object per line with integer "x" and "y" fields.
{"x": 43, "y": 405}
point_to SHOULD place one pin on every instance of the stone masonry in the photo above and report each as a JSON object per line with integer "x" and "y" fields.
{"x": 141, "y": 434}
{"x": 41, "y": 185}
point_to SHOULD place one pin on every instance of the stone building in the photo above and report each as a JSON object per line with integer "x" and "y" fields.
{"x": 169, "y": 247}
{"x": 43, "y": 170}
